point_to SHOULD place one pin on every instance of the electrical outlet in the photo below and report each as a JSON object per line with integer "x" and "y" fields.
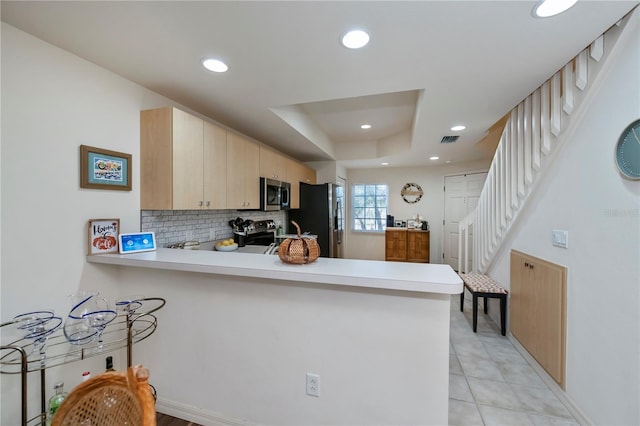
{"x": 313, "y": 384}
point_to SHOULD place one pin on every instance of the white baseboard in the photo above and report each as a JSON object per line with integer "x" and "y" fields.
{"x": 551, "y": 383}
{"x": 198, "y": 415}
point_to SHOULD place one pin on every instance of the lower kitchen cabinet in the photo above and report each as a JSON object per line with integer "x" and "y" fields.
{"x": 538, "y": 311}
{"x": 395, "y": 243}
{"x": 417, "y": 246}
{"x": 407, "y": 245}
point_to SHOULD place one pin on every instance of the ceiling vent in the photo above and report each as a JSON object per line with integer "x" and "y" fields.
{"x": 449, "y": 139}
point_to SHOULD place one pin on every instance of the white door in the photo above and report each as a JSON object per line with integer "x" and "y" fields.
{"x": 461, "y": 195}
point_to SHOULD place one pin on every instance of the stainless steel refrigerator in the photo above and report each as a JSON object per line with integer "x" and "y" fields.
{"x": 321, "y": 213}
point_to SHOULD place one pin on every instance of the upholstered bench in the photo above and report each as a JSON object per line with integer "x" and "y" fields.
{"x": 484, "y": 286}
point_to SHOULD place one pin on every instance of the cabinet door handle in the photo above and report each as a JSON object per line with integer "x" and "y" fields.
{"x": 200, "y": 203}
{"x": 208, "y": 203}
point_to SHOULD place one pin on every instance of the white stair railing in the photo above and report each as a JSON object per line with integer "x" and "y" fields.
{"x": 531, "y": 135}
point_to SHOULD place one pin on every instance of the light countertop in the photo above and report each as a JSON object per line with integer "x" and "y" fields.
{"x": 403, "y": 276}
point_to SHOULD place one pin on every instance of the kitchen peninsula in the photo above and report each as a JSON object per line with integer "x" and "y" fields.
{"x": 240, "y": 332}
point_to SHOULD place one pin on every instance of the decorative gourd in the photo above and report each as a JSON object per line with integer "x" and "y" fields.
{"x": 299, "y": 250}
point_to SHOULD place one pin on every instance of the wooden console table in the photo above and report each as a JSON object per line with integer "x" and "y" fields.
{"x": 407, "y": 245}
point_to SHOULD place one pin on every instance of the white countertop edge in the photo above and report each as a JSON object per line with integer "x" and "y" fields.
{"x": 403, "y": 276}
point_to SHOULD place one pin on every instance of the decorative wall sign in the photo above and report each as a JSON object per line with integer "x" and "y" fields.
{"x": 103, "y": 236}
{"x": 411, "y": 193}
{"x": 104, "y": 169}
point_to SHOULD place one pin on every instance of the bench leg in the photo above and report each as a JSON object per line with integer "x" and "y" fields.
{"x": 462, "y": 300}
{"x": 485, "y": 305}
{"x": 475, "y": 312}
{"x": 503, "y": 314}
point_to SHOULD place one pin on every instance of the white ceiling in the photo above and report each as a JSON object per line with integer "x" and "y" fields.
{"x": 291, "y": 85}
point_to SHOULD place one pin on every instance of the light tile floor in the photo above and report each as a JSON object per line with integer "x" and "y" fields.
{"x": 490, "y": 383}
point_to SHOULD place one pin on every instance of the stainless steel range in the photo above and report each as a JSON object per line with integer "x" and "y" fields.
{"x": 254, "y": 233}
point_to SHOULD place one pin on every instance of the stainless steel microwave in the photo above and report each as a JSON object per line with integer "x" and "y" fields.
{"x": 274, "y": 194}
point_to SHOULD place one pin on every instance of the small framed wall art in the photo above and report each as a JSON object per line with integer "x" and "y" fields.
{"x": 103, "y": 236}
{"x": 104, "y": 169}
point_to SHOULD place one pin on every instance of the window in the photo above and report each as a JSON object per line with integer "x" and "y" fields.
{"x": 369, "y": 203}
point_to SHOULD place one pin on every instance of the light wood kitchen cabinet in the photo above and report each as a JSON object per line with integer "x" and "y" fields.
{"x": 243, "y": 173}
{"x": 187, "y": 163}
{"x": 215, "y": 167}
{"x": 406, "y": 245}
{"x": 182, "y": 161}
{"x": 296, "y": 173}
{"x": 538, "y": 305}
{"x": 272, "y": 164}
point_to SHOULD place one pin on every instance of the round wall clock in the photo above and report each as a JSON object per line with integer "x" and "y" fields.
{"x": 628, "y": 151}
{"x": 411, "y": 193}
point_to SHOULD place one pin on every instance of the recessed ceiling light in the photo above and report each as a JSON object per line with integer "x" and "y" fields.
{"x": 434, "y": 158}
{"x": 355, "y": 39}
{"x": 458, "y": 128}
{"x": 214, "y": 65}
{"x": 384, "y": 164}
{"x": 547, "y": 8}
{"x": 365, "y": 126}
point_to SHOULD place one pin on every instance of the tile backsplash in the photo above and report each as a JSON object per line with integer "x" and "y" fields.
{"x": 174, "y": 226}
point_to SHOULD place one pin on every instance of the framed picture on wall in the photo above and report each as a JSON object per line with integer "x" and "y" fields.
{"x": 104, "y": 169}
{"x": 103, "y": 236}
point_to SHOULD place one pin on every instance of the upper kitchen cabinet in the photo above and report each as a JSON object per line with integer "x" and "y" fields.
{"x": 272, "y": 164}
{"x": 296, "y": 173}
{"x": 182, "y": 161}
{"x": 215, "y": 166}
{"x": 243, "y": 173}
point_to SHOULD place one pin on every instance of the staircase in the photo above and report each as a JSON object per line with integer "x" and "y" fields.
{"x": 533, "y": 132}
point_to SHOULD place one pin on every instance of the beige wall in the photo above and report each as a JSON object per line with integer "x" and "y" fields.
{"x": 583, "y": 193}
{"x": 53, "y": 102}
{"x": 261, "y": 338}
{"x": 367, "y": 245}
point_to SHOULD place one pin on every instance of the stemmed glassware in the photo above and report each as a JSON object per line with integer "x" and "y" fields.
{"x": 129, "y": 304}
{"x": 76, "y": 328}
{"x": 89, "y": 316}
{"x": 99, "y": 314}
{"x": 37, "y": 326}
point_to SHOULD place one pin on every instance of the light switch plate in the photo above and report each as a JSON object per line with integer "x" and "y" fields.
{"x": 560, "y": 238}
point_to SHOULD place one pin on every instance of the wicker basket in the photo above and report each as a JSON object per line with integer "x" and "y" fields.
{"x": 299, "y": 250}
{"x": 113, "y": 398}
